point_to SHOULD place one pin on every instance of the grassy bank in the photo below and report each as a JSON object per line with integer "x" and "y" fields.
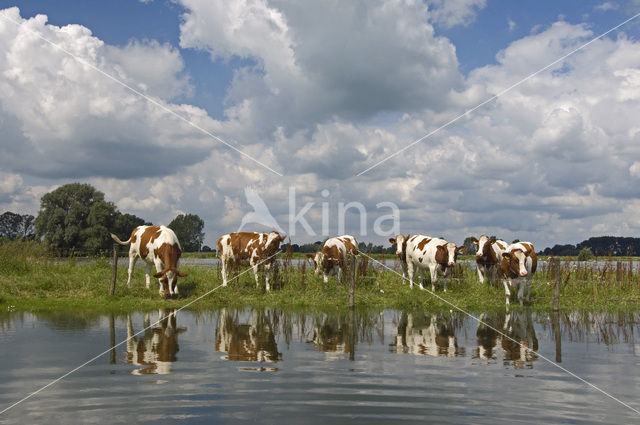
{"x": 32, "y": 280}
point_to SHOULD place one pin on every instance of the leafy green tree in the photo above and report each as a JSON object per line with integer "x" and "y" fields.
{"x": 585, "y": 254}
{"x": 188, "y": 229}
{"x": 471, "y": 247}
{"x": 125, "y": 223}
{"x": 14, "y": 226}
{"x": 77, "y": 217}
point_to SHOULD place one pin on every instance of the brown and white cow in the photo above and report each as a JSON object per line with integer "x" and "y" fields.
{"x": 488, "y": 257}
{"x": 256, "y": 249}
{"x": 400, "y": 241}
{"x": 336, "y": 254}
{"x": 436, "y": 254}
{"x": 519, "y": 263}
{"x": 159, "y": 246}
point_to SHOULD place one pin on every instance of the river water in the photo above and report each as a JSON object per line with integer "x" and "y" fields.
{"x": 274, "y": 366}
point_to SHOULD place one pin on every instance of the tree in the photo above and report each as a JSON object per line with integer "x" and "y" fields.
{"x": 188, "y": 229}
{"x": 471, "y": 247}
{"x": 14, "y": 226}
{"x": 77, "y": 217}
{"x": 125, "y": 223}
{"x": 585, "y": 254}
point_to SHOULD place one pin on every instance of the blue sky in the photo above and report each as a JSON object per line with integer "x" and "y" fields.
{"x": 322, "y": 91}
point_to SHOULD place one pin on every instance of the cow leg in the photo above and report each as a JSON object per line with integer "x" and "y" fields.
{"x": 433, "y": 271}
{"x": 147, "y": 275}
{"x": 132, "y": 264}
{"x": 339, "y": 274}
{"x": 256, "y": 274}
{"x": 159, "y": 267}
{"x": 480, "y": 274}
{"x": 507, "y": 292}
{"x": 410, "y": 270}
{"x": 404, "y": 271}
{"x": 267, "y": 275}
{"x": 528, "y": 290}
{"x": 225, "y": 270}
{"x": 521, "y": 286}
{"x": 421, "y": 275}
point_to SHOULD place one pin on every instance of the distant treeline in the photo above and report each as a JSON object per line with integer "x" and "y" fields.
{"x": 600, "y": 246}
{"x": 363, "y": 247}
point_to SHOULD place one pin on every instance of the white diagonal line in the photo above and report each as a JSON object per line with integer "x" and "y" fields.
{"x": 123, "y": 342}
{"x": 142, "y": 95}
{"x": 507, "y": 336}
{"x": 415, "y": 142}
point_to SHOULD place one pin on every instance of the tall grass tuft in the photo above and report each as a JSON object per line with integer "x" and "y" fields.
{"x": 17, "y": 257}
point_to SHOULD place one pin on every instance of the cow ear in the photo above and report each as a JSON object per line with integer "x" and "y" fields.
{"x": 461, "y": 248}
{"x": 180, "y": 274}
{"x": 474, "y": 241}
{"x": 392, "y": 240}
{"x": 492, "y": 240}
{"x": 506, "y": 255}
{"x": 160, "y": 274}
{"x": 282, "y": 238}
{"x": 310, "y": 255}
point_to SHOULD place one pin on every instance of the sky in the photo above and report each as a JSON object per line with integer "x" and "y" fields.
{"x": 204, "y": 106}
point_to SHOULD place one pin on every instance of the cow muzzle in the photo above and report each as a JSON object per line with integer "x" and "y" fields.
{"x": 523, "y": 273}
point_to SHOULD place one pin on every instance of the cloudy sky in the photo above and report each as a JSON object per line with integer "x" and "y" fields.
{"x": 179, "y": 106}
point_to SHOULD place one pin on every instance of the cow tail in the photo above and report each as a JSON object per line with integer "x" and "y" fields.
{"x": 115, "y": 238}
{"x": 219, "y": 253}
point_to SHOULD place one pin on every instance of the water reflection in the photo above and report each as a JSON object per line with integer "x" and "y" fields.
{"x": 332, "y": 334}
{"x": 155, "y": 349}
{"x": 247, "y": 340}
{"x": 488, "y": 335}
{"x": 431, "y": 334}
{"x": 520, "y": 339}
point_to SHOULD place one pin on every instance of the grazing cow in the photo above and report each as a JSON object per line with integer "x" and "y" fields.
{"x": 336, "y": 253}
{"x": 435, "y": 254}
{"x": 257, "y": 249}
{"x": 519, "y": 263}
{"x": 159, "y": 246}
{"x": 400, "y": 241}
{"x": 488, "y": 257}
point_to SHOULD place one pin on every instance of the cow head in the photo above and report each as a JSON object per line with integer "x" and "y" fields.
{"x": 400, "y": 241}
{"x": 483, "y": 244}
{"x": 170, "y": 277}
{"x": 317, "y": 261}
{"x": 272, "y": 244}
{"x": 447, "y": 254}
{"x": 514, "y": 263}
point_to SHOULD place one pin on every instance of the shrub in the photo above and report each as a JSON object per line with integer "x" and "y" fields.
{"x": 585, "y": 254}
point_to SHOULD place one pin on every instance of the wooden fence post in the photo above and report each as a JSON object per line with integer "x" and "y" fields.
{"x": 556, "y": 291}
{"x": 112, "y": 339}
{"x": 352, "y": 283}
{"x": 114, "y": 273}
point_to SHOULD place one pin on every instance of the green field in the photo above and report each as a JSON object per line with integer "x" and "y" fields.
{"x": 32, "y": 280}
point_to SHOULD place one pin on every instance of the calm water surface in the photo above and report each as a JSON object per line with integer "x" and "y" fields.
{"x": 273, "y": 366}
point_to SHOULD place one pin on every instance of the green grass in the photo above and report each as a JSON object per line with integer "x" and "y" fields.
{"x": 32, "y": 280}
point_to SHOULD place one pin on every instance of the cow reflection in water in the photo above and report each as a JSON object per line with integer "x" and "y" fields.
{"x": 518, "y": 327}
{"x": 248, "y": 342}
{"x": 488, "y": 334}
{"x": 427, "y": 334}
{"x": 156, "y": 348}
{"x": 331, "y": 334}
